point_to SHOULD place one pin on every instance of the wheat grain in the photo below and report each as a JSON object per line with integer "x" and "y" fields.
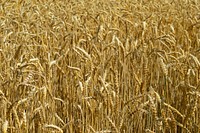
{"x": 5, "y": 127}
{"x": 163, "y": 67}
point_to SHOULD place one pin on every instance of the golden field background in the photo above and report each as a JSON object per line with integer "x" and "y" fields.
{"x": 91, "y": 66}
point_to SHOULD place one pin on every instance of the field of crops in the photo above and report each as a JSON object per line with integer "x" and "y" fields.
{"x": 99, "y": 66}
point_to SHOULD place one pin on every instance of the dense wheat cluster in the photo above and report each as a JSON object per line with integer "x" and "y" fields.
{"x": 99, "y": 66}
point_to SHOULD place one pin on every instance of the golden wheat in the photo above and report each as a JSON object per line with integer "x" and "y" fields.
{"x": 99, "y": 66}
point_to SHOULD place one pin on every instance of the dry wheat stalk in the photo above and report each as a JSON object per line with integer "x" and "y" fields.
{"x": 51, "y": 126}
{"x": 173, "y": 122}
{"x": 113, "y": 124}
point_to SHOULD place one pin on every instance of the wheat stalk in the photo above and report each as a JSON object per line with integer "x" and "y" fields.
{"x": 51, "y": 126}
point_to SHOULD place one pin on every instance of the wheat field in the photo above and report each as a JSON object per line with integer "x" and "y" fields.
{"x": 99, "y": 66}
